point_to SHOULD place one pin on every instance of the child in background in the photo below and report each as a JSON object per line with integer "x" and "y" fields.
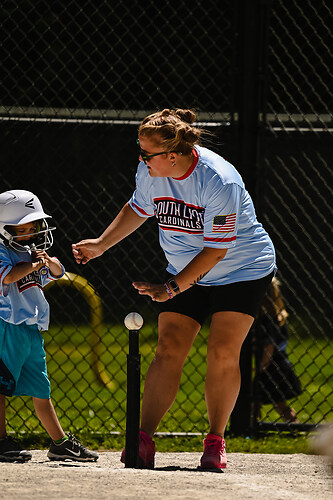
{"x": 276, "y": 381}
{"x": 25, "y": 268}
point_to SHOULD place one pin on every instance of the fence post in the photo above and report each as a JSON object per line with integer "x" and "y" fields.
{"x": 241, "y": 417}
{"x": 247, "y": 103}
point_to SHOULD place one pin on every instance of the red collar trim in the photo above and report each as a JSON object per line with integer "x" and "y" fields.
{"x": 192, "y": 167}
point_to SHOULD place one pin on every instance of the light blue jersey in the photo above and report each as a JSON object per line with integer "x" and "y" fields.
{"x": 24, "y": 300}
{"x": 207, "y": 207}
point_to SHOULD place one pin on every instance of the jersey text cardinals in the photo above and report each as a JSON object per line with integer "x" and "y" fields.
{"x": 176, "y": 215}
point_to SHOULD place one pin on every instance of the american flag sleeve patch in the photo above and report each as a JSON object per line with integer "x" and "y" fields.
{"x": 224, "y": 223}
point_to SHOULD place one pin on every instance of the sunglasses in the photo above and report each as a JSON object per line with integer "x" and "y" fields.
{"x": 147, "y": 157}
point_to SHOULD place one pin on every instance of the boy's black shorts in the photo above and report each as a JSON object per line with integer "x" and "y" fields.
{"x": 199, "y": 302}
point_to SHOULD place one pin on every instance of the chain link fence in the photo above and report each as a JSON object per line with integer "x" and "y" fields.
{"x": 77, "y": 78}
{"x": 296, "y": 193}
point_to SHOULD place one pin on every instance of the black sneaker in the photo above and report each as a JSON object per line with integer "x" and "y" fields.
{"x": 71, "y": 449}
{"x": 12, "y": 451}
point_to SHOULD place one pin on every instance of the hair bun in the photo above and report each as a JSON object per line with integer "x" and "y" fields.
{"x": 172, "y": 130}
{"x": 186, "y": 115}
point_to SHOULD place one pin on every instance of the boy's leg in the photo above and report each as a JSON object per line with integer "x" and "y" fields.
{"x": 10, "y": 450}
{"x": 47, "y": 415}
{"x": 3, "y": 432}
{"x": 63, "y": 447}
{"x": 11, "y": 359}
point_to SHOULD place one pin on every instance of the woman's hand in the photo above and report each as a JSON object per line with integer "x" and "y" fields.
{"x": 86, "y": 250}
{"x": 126, "y": 222}
{"x": 157, "y": 293}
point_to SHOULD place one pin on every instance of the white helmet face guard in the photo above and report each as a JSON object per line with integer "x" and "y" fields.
{"x": 19, "y": 207}
{"x": 42, "y": 239}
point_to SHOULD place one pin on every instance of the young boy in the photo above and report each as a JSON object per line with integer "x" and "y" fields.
{"x": 25, "y": 268}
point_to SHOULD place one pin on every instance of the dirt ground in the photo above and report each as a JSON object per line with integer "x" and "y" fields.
{"x": 248, "y": 476}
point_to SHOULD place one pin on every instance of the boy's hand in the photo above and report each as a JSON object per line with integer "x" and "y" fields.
{"x": 40, "y": 259}
{"x": 41, "y": 256}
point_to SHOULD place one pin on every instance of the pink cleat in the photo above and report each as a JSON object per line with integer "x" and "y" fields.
{"x": 146, "y": 452}
{"x": 214, "y": 457}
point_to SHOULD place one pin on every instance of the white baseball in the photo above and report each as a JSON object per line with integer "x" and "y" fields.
{"x": 133, "y": 321}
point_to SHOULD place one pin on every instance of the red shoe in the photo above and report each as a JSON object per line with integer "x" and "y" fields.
{"x": 214, "y": 456}
{"x": 146, "y": 452}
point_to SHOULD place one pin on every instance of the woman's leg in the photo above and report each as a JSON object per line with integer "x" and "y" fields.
{"x": 176, "y": 336}
{"x": 47, "y": 415}
{"x": 228, "y": 331}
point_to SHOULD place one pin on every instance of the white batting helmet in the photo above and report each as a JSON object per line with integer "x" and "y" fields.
{"x": 19, "y": 207}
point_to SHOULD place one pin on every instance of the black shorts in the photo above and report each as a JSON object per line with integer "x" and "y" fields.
{"x": 199, "y": 302}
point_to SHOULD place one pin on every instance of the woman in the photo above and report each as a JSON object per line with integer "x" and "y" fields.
{"x": 220, "y": 262}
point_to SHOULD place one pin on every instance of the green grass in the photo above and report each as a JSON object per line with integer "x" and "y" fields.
{"x": 271, "y": 443}
{"x": 94, "y": 411}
